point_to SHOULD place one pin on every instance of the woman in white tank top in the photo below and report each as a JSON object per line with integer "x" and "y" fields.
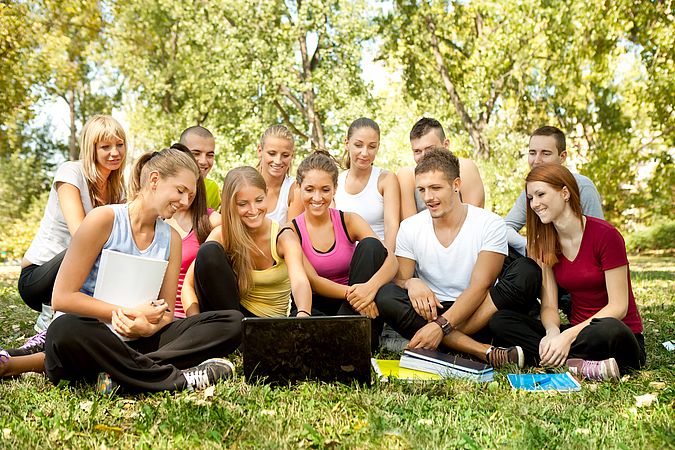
{"x": 275, "y": 150}
{"x": 369, "y": 191}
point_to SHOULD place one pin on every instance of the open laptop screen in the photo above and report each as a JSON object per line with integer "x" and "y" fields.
{"x": 287, "y": 349}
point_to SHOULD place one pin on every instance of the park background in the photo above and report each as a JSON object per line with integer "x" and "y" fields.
{"x": 490, "y": 70}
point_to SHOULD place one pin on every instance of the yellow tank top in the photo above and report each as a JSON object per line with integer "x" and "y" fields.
{"x": 271, "y": 292}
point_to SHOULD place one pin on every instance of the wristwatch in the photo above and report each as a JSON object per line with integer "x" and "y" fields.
{"x": 442, "y": 322}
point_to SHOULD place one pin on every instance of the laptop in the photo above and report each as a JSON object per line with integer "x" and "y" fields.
{"x": 284, "y": 350}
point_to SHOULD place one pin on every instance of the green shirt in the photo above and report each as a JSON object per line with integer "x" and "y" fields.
{"x": 212, "y": 194}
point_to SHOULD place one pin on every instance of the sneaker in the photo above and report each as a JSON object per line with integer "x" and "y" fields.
{"x": 35, "y": 344}
{"x": 104, "y": 384}
{"x": 391, "y": 341}
{"x": 208, "y": 373}
{"x": 4, "y": 357}
{"x": 605, "y": 370}
{"x": 44, "y": 319}
{"x": 500, "y": 356}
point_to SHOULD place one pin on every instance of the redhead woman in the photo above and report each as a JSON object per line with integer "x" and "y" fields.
{"x": 250, "y": 263}
{"x": 587, "y": 257}
{"x": 158, "y": 353}
{"x": 365, "y": 189}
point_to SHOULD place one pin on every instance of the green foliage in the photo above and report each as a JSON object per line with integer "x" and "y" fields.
{"x": 452, "y": 414}
{"x": 656, "y": 237}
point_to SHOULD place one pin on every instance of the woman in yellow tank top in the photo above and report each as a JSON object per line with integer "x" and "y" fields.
{"x": 249, "y": 263}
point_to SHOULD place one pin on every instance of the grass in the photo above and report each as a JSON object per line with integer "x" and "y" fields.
{"x": 448, "y": 414}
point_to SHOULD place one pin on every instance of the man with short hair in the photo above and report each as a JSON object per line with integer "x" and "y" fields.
{"x": 450, "y": 256}
{"x": 202, "y": 144}
{"x": 428, "y": 133}
{"x": 547, "y": 145}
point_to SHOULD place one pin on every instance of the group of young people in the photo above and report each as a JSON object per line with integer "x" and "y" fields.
{"x": 414, "y": 250}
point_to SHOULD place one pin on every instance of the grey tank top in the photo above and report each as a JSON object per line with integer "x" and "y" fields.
{"x": 121, "y": 240}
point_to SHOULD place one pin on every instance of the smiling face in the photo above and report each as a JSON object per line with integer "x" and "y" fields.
{"x": 426, "y": 142}
{"x": 439, "y": 195}
{"x": 251, "y": 206}
{"x": 275, "y": 156}
{"x": 543, "y": 149}
{"x": 173, "y": 193}
{"x": 362, "y": 147}
{"x": 110, "y": 154}
{"x": 317, "y": 191}
{"x": 203, "y": 149}
{"x": 547, "y": 202}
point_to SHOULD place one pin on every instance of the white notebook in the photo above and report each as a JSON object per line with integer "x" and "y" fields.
{"x": 128, "y": 280}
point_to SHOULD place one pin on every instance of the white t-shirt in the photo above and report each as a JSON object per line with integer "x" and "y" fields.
{"x": 53, "y": 236}
{"x": 368, "y": 203}
{"x": 447, "y": 271}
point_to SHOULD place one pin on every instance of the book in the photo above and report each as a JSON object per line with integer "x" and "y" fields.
{"x": 390, "y": 368}
{"x": 446, "y": 365}
{"x": 128, "y": 280}
{"x": 561, "y": 382}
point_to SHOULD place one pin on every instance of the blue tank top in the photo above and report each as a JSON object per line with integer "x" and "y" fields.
{"x": 121, "y": 239}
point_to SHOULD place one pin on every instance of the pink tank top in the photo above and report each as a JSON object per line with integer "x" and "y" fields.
{"x": 334, "y": 264}
{"x": 190, "y": 247}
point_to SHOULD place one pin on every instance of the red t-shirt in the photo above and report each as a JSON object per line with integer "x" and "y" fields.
{"x": 602, "y": 248}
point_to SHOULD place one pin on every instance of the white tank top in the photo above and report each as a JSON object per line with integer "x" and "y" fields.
{"x": 368, "y": 203}
{"x": 280, "y": 213}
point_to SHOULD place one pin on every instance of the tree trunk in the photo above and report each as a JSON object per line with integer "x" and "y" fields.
{"x": 72, "y": 141}
{"x": 480, "y": 144}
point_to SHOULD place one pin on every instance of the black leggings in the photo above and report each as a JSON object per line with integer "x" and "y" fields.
{"x": 601, "y": 339}
{"x": 78, "y": 348}
{"x": 36, "y": 283}
{"x": 517, "y": 290}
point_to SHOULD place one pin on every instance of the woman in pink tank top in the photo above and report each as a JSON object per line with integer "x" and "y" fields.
{"x": 345, "y": 276}
{"x": 193, "y": 224}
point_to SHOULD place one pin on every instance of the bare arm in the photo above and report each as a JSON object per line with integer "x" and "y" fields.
{"x": 472, "y": 189}
{"x": 406, "y": 181}
{"x": 392, "y": 207}
{"x": 71, "y": 205}
{"x": 485, "y": 272}
{"x": 295, "y": 206}
{"x": 558, "y": 344}
{"x": 288, "y": 247}
{"x": 188, "y": 295}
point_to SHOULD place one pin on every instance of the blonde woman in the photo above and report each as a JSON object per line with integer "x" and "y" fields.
{"x": 275, "y": 153}
{"x": 250, "y": 263}
{"x": 79, "y": 186}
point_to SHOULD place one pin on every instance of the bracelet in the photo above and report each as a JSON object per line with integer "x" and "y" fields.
{"x": 303, "y": 311}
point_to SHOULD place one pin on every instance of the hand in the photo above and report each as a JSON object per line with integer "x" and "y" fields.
{"x": 429, "y": 336}
{"x": 360, "y": 296}
{"x": 154, "y": 311}
{"x": 370, "y": 311}
{"x": 423, "y": 300}
{"x": 132, "y": 323}
{"x": 554, "y": 348}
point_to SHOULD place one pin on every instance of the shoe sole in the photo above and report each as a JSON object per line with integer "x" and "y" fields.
{"x": 521, "y": 357}
{"x": 612, "y": 370}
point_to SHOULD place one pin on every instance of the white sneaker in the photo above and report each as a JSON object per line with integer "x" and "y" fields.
{"x": 44, "y": 319}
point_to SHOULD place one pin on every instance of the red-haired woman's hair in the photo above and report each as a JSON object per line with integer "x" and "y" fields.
{"x": 542, "y": 239}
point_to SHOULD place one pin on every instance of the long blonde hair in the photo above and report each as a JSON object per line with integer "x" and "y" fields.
{"x": 102, "y": 128}
{"x": 237, "y": 241}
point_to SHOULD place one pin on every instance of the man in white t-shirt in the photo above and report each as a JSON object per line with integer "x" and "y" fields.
{"x": 450, "y": 256}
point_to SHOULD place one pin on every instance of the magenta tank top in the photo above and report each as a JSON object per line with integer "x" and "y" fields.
{"x": 334, "y": 264}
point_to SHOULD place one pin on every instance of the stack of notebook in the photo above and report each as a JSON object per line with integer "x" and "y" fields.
{"x": 446, "y": 365}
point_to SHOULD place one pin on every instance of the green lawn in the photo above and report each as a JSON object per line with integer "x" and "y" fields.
{"x": 449, "y": 414}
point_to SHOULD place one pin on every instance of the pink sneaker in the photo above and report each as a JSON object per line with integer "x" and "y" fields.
{"x": 605, "y": 370}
